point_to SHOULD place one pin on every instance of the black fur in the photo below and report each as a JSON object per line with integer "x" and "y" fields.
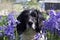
{"x": 24, "y": 19}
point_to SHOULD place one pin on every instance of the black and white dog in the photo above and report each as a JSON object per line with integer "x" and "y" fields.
{"x": 30, "y": 18}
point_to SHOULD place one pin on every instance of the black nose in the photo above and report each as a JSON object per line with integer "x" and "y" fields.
{"x": 30, "y": 24}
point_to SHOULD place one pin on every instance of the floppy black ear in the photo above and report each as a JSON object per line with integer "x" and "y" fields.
{"x": 40, "y": 15}
{"x": 40, "y": 19}
{"x": 23, "y": 16}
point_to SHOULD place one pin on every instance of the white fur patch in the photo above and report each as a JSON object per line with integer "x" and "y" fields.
{"x": 33, "y": 26}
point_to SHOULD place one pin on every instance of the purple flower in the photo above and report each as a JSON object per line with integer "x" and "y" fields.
{"x": 11, "y": 19}
{"x": 1, "y": 30}
{"x": 49, "y": 25}
{"x": 52, "y": 24}
{"x": 0, "y": 17}
{"x": 37, "y": 36}
{"x": 40, "y": 36}
{"x": 52, "y": 13}
{"x": 9, "y": 30}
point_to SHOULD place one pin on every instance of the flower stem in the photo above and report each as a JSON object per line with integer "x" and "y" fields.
{"x": 4, "y": 37}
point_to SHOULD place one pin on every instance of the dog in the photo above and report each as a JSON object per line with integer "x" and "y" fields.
{"x": 30, "y": 18}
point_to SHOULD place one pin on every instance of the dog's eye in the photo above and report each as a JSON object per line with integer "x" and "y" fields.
{"x": 33, "y": 14}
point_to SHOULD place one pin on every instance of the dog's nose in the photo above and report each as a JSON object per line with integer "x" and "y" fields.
{"x": 30, "y": 23}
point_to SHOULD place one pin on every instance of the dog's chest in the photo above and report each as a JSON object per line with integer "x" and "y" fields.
{"x": 28, "y": 34}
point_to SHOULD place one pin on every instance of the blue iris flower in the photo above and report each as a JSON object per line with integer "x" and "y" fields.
{"x": 50, "y": 24}
{"x": 1, "y": 31}
{"x": 10, "y": 29}
{"x": 53, "y": 23}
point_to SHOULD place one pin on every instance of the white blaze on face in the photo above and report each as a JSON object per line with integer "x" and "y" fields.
{"x": 33, "y": 25}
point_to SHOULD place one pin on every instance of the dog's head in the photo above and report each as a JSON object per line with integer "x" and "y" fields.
{"x": 31, "y": 18}
{"x": 35, "y": 19}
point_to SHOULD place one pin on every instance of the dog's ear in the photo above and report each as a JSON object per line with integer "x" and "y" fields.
{"x": 40, "y": 15}
{"x": 23, "y": 16}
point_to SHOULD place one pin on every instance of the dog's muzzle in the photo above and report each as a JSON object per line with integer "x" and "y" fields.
{"x": 31, "y": 25}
